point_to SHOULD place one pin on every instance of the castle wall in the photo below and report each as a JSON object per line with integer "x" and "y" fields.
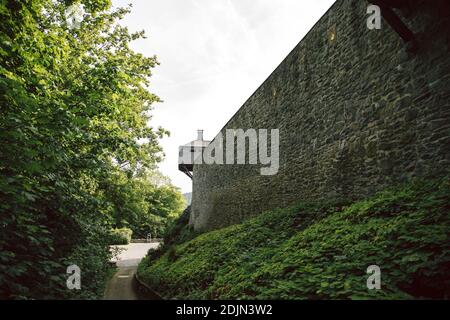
{"x": 356, "y": 114}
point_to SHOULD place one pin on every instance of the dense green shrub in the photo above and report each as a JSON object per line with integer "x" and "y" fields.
{"x": 319, "y": 251}
{"x": 120, "y": 236}
{"x": 177, "y": 232}
{"x": 90, "y": 256}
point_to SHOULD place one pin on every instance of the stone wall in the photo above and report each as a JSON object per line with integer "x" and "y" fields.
{"x": 356, "y": 113}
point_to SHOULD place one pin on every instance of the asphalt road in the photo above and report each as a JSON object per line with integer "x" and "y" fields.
{"x": 122, "y": 286}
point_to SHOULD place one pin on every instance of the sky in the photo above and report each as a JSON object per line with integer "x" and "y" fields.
{"x": 213, "y": 55}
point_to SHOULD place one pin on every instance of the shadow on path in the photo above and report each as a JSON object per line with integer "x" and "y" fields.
{"x": 123, "y": 285}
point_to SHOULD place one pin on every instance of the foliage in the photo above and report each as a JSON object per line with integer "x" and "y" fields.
{"x": 319, "y": 251}
{"x": 177, "y": 232}
{"x": 120, "y": 236}
{"x": 74, "y": 110}
{"x": 142, "y": 205}
{"x": 180, "y": 231}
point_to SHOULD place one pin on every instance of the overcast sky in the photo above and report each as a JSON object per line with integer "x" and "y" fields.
{"x": 214, "y": 54}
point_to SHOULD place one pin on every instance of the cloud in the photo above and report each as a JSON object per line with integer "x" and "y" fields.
{"x": 214, "y": 54}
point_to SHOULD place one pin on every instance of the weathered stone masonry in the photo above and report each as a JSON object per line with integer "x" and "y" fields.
{"x": 356, "y": 114}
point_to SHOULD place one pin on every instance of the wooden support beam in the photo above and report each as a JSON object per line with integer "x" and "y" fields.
{"x": 186, "y": 171}
{"x": 395, "y": 22}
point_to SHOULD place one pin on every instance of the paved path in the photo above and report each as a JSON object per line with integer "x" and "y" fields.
{"x": 122, "y": 285}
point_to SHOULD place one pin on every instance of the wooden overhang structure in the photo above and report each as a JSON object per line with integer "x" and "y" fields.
{"x": 189, "y": 152}
{"x": 398, "y": 25}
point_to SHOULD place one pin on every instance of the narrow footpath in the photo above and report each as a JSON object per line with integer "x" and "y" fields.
{"x": 123, "y": 285}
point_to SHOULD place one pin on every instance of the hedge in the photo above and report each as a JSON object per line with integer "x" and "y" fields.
{"x": 120, "y": 236}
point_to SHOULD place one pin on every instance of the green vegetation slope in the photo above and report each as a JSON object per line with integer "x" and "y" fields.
{"x": 318, "y": 251}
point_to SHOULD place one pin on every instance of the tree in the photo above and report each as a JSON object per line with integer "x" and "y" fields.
{"x": 74, "y": 104}
{"x": 146, "y": 203}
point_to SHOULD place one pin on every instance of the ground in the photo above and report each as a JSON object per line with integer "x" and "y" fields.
{"x": 121, "y": 286}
